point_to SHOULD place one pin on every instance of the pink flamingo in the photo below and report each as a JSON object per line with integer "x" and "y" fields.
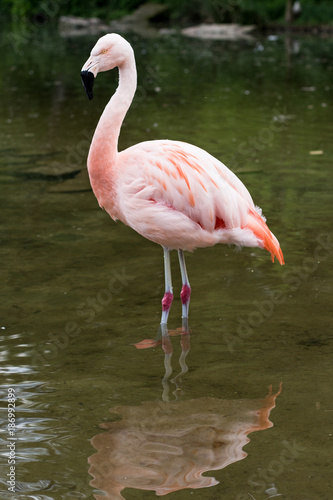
{"x": 170, "y": 192}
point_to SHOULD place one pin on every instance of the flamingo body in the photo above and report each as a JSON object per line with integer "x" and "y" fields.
{"x": 170, "y": 192}
{"x": 179, "y": 196}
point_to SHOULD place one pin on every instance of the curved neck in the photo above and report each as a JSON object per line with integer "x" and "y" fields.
{"x": 104, "y": 146}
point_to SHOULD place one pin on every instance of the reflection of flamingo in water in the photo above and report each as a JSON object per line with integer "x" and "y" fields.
{"x": 168, "y": 350}
{"x": 173, "y": 193}
{"x": 166, "y": 447}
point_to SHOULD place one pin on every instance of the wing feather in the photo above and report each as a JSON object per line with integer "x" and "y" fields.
{"x": 179, "y": 195}
{"x": 193, "y": 182}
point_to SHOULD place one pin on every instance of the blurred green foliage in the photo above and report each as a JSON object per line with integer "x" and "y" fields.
{"x": 259, "y": 12}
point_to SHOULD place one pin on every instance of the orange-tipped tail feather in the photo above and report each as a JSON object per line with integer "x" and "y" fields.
{"x": 262, "y": 232}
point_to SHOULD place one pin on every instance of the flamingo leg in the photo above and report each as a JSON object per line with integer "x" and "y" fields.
{"x": 168, "y": 294}
{"x": 168, "y": 372}
{"x": 185, "y": 293}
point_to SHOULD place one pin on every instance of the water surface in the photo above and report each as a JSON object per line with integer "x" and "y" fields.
{"x": 79, "y": 290}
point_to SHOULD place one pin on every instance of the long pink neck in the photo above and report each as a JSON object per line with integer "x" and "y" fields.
{"x": 104, "y": 147}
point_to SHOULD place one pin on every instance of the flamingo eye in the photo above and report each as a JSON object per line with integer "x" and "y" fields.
{"x": 104, "y": 51}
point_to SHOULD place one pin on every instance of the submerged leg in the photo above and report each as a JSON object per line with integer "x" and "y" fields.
{"x": 168, "y": 294}
{"x": 185, "y": 294}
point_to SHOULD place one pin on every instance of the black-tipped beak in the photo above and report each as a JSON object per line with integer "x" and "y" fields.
{"x": 88, "y": 78}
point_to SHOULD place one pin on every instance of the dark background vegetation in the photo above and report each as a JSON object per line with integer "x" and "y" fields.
{"x": 259, "y": 12}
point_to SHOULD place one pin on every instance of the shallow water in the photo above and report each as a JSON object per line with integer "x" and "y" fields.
{"x": 79, "y": 290}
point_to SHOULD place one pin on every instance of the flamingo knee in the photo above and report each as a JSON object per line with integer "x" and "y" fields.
{"x": 185, "y": 294}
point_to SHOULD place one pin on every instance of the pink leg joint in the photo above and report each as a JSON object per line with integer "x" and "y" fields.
{"x": 185, "y": 294}
{"x": 167, "y": 301}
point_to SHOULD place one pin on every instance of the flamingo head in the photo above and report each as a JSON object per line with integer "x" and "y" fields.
{"x": 110, "y": 51}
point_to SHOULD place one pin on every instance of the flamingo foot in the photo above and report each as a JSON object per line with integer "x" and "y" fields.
{"x": 181, "y": 330}
{"x": 147, "y": 343}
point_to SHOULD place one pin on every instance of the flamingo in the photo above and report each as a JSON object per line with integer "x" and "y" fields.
{"x": 171, "y": 192}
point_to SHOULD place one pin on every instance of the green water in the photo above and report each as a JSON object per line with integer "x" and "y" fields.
{"x": 79, "y": 290}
